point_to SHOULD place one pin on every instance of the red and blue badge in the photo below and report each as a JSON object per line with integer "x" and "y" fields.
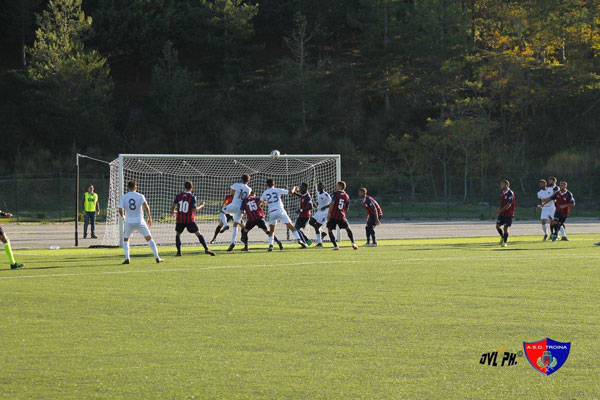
{"x": 547, "y": 355}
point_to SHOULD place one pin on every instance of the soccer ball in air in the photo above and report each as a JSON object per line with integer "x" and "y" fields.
{"x": 275, "y": 154}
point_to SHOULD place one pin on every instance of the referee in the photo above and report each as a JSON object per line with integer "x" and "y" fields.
{"x": 91, "y": 209}
{"x": 7, "y": 248}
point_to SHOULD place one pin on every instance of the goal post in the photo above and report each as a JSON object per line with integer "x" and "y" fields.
{"x": 160, "y": 178}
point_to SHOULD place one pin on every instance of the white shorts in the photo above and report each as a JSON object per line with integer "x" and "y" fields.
{"x": 234, "y": 211}
{"x": 547, "y": 214}
{"x": 321, "y": 217}
{"x": 279, "y": 215}
{"x": 141, "y": 227}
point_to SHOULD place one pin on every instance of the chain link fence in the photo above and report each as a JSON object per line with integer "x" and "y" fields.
{"x": 51, "y": 197}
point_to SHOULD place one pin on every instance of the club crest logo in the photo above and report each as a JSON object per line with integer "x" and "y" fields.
{"x": 547, "y": 355}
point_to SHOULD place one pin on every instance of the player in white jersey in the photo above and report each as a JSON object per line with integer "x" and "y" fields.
{"x": 240, "y": 191}
{"x": 548, "y": 208}
{"x": 272, "y": 196}
{"x": 319, "y": 217}
{"x": 131, "y": 209}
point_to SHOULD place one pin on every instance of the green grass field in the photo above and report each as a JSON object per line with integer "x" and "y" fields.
{"x": 409, "y": 319}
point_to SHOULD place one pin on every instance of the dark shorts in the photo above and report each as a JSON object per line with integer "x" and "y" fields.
{"x": 504, "y": 221}
{"x": 333, "y": 223}
{"x": 560, "y": 218}
{"x": 229, "y": 217}
{"x": 301, "y": 222}
{"x": 371, "y": 222}
{"x": 191, "y": 227}
{"x": 257, "y": 222}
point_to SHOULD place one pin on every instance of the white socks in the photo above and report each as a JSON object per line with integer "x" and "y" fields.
{"x": 233, "y": 234}
{"x": 562, "y": 231}
{"x": 297, "y": 235}
{"x": 270, "y": 240}
{"x": 126, "y": 249}
{"x": 152, "y": 245}
{"x": 545, "y": 229}
{"x": 319, "y": 239}
{"x": 223, "y": 219}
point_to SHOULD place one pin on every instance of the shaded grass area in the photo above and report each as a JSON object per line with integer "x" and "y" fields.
{"x": 409, "y": 319}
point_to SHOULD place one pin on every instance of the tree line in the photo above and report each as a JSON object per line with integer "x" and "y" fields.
{"x": 426, "y": 97}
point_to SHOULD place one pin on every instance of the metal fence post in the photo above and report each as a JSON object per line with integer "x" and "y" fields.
{"x": 17, "y": 196}
{"x": 60, "y": 196}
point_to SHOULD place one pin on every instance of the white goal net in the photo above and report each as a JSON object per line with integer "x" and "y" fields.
{"x": 161, "y": 177}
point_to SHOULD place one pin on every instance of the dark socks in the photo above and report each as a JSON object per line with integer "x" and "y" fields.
{"x": 505, "y": 237}
{"x": 245, "y": 237}
{"x": 332, "y": 238}
{"x": 203, "y": 242}
{"x": 373, "y": 235}
{"x": 500, "y": 232}
{"x": 178, "y": 243}
{"x": 276, "y": 240}
{"x": 217, "y": 230}
{"x": 368, "y": 232}
{"x": 303, "y": 236}
{"x": 350, "y": 235}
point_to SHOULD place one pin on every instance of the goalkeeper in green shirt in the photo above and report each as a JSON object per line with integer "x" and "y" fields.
{"x": 7, "y": 248}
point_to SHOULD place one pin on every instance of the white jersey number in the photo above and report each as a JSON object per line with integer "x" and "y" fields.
{"x": 341, "y": 204}
{"x": 184, "y": 206}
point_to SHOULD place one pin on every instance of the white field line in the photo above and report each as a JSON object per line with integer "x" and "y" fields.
{"x": 199, "y": 269}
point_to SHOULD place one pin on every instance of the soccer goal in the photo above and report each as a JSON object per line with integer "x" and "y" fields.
{"x": 160, "y": 178}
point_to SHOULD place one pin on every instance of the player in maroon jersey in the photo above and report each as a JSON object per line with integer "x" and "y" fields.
{"x": 337, "y": 214}
{"x": 225, "y": 219}
{"x": 374, "y": 214}
{"x": 506, "y": 212}
{"x": 304, "y": 211}
{"x": 564, "y": 201}
{"x": 184, "y": 208}
{"x": 255, "y": 216}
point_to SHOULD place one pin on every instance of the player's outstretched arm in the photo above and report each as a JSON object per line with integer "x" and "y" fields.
{"x": 147, "y": 208}
{"x": 200, "y": 206}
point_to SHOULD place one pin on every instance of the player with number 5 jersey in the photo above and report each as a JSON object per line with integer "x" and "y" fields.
{"x": 337, "y": 214}
{"x": 184, "y": 208}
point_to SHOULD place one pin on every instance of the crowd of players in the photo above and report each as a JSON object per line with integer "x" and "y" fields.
{"x": 554, "y": 201}
{"x": 330, "y": 212}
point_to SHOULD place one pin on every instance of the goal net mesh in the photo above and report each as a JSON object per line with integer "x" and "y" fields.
{"x": 161, "y": 178}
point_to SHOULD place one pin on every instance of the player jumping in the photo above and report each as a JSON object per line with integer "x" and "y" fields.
{"x": 240, "y": 191}
{"x": 272, "y": 196}
{"x": 131, "y": 209}
{"x": 319, "y": 218}
{"x": 225, "y": 219}
{"x": 304, "y": 211}
{"x": 255, "y": 216}
{"x": 184, "y": 208}
{"x": 337, "y": 214}
{"x": 374, "y": 214}
{"x": 7, "y": 247}
{"x": 506, "y": 212}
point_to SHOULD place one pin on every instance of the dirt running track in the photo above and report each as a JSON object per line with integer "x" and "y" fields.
{"x": 46, "y": 235}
